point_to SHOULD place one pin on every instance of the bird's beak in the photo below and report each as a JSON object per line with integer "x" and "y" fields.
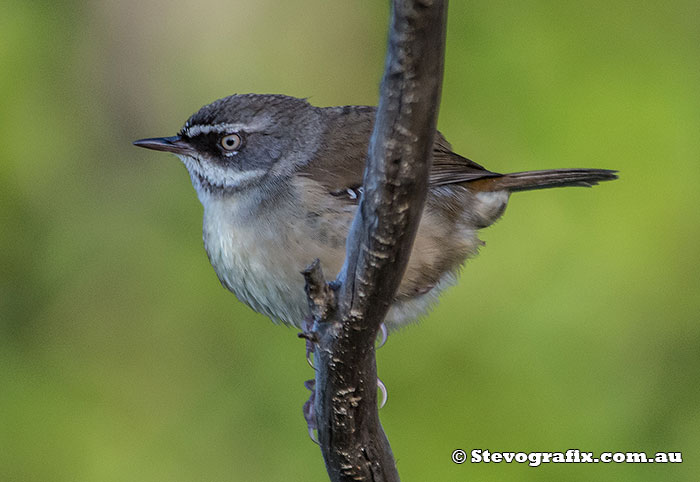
{"x": 175, "y": 144}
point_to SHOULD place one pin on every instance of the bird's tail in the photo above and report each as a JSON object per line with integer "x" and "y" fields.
{"x": 529, "y": 180}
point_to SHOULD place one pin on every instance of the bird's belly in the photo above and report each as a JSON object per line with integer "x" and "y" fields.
{"x": 261, "y": 260}
{"x": 273, "y": 285}
{"x": 262, "y": 264}
{"x": 259, "y": 273}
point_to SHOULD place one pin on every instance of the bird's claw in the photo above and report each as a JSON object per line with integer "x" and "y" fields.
{"x": 384, "y": 335}
{"x": 385, "y": 393}
{"x": 312, "y": 436}
{"x": 309, "y": 351}
{"x": 309, "y": 413}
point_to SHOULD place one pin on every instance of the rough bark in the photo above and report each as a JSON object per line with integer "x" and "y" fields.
{"x": 349, "y": 311}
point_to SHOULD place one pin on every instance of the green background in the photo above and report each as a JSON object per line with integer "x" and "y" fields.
{"x": 122, "y": 358}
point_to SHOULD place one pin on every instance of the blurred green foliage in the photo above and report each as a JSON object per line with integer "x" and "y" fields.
{"x": 121, "y": 357}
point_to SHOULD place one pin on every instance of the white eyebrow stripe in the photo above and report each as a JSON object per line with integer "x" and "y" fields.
{"x": 206, "y": 129}
{"x": 198, "y": 129}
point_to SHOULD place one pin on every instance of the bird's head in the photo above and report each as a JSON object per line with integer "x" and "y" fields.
{"x": 244, "y": 140}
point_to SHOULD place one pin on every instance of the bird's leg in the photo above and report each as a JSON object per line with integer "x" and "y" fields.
{"x": 309, "y": 412}
{"x": 308, "y": 334}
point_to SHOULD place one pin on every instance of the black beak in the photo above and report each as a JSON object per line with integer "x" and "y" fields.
{"x": 174, "y": 144}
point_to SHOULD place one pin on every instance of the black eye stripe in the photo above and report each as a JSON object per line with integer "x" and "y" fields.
{"x": 211, "y": 143}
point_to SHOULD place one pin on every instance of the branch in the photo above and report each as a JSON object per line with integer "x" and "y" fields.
{"x": 349, "y": 311}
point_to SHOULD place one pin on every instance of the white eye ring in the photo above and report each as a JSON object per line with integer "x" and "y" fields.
{"x": 231, "y": 142}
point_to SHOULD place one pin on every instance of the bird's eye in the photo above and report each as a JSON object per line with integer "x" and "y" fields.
{"x": 231, "y": 142}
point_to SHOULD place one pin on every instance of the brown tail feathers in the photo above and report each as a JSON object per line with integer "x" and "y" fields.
{"x": 529, "y": 180}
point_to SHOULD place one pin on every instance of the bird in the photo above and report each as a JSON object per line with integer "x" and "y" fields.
{"x": 280, "y": 181}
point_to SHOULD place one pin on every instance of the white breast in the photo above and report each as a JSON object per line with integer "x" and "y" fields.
{"x": 256, "y": 261}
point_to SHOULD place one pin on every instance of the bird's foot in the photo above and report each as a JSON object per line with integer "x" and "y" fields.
{"x": 309, "y": 412}
{"x": 309, "y": 335}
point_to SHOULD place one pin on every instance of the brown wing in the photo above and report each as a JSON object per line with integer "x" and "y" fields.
{"x": 340, "y": 160}
{"x": 451, "y": 168}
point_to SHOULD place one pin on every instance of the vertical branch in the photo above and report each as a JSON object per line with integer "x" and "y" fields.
{"x": 353, "y": 443}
